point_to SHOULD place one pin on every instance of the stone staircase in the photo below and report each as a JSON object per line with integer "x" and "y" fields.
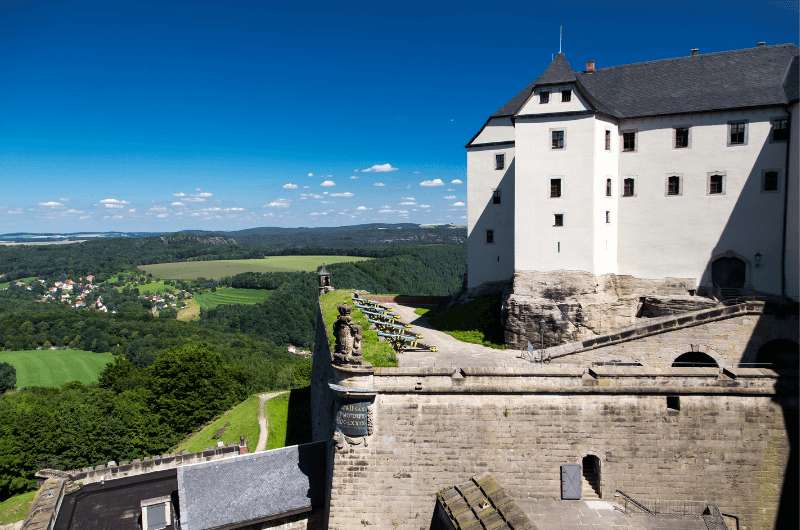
{"x": 590, "y": 485}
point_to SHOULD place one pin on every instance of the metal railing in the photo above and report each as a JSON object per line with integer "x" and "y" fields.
{"x": 662, "y": 507}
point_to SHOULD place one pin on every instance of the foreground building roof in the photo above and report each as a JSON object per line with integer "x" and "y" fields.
{"x": 478, "y": 504}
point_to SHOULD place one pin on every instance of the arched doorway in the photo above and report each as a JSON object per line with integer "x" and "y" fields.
{"x": 779, "y": 353}
{"x": 591, "y": 478}
{"x": 694, "y": 359}
{"x": 728, "y": 272}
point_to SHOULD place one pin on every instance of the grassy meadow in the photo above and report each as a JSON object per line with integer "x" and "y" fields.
{"x": 216, "y": 269}
{"x": 230, "y": 295}
{"x": 16, "y": 508}
{"x": 55, "y": 367}
{"x": 241, "y": 420}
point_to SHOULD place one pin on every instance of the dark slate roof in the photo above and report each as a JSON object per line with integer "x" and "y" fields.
{"x": 559, "y": 71}
{"x": 765, "y": 75}
{"x": 481, "y": 503}
{"x": 251, "y": 488}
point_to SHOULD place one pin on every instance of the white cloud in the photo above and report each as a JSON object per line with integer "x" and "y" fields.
{"x": 304, "y": 196}
{"x": 162, "y": 215}
{"x": 279, "y": 203}
{"x": 456, "y": 181}
{"x": 425, "y": 206}
{"x": 114, "y": 203}
{"x": 379, "y": 184}
{"x": 234, "y": 209}
{"x": 204, "y": 194}
{"x": 379, "y": 168}
{"x": 458, "y": 204}
{"x": 432, "y": 183}
{"x": 353, "y": 177}
{"x": 327, "y": 183}
{"x": 157, "y": 209}
{"x": 51, "y": 204}
{"x": 449, "y": 197}
{"x": 362, "y": 208}
{"x": 408, "y": 198}
{"x": 177, "y": 204}
{"x": 345, "y": 194}
{"x": 179, "y": 194}
{"x": 408, "y": 203}
{"x": 131, "y": 210}
{"x": 290, "y": 186}
{"x": 310, "y": 174}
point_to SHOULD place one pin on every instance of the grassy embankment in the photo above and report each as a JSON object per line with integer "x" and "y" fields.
{"x": 16, "y": 508}
{"x": 230, "y": 295}
{"x": 478, "y": 321}
{"x": 55, "y": 367}
{"x": 216, "y": 269}
{"x": 375, "y": 352}
{"x": 241, "y": 420}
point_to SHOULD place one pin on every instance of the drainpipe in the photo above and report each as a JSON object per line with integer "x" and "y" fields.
{"x": 786, "y": 198}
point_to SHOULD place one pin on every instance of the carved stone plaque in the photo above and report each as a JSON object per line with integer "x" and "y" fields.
{"x": 352, "y": 418}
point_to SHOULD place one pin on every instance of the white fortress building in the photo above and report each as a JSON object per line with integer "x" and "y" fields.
{"x": 683, "y": 171}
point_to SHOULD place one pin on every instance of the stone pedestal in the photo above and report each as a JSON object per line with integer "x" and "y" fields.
{"x": 354, "y": 398}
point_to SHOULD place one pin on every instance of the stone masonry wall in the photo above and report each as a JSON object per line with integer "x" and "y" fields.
{"x": 730, "y": 450}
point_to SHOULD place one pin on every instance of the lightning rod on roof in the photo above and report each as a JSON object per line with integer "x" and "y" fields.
{"x": 560, "y": 37}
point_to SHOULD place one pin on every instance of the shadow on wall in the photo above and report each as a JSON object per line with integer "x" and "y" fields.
{"x": 494, "y": 261}
{"x": 298, "y": 421}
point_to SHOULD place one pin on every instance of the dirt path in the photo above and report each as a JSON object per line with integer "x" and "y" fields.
{"x": 452, "y": 353}
{"x": 263, "y": 427}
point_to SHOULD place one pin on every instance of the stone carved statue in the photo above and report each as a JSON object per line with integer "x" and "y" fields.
{"x": 348, "y": 338}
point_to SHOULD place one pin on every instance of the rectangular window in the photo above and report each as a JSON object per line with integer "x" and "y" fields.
{"x": 608, "y": 140}
{"x": 674, "y": 403}
{"x": 627, "y": 187}
{"x": 156, "y": 513}
{"x": 499, "y": 161}
{"x": 737, "y": 133}
{"x": 490, "y": 236}
{"x": 558, "y": 219}
{"x": 555, "y": 187}
{"x": 770, "y": 181}
{"x": 681, "y": 137}
{"x": 780, "y": 130}
{"x": 544, "y": 97}
{"x": 496, "y": 197}
{"x": 673, "y": 185}
{"x": 608, "y": 216}
{"x": 629, "y": 141}
{"x": 557, "y": 139}
{"x": 566, "y": 95}
{"x": 716, "y": 184}
{"x": 608, "y": 187}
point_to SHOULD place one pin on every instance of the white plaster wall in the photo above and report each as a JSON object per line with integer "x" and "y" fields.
{"x": 793, "y": 220}
{"x": 489, "y": 262}
{"x": 664, "y": 235}
{"x": 536, "y": 239}
{"x": 606, "y": 165}
{"x": 496, "y": 130}
{"x": 532, "y": 106}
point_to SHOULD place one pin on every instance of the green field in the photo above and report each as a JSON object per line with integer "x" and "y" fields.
{"x": 55, "y": 367}
{"x": 277, "y": 411}
{"x": 241, "y": 420}
{"x": 16, "y": 508}
{"x": 4, "y": 285}
{"x": 230, "y": 295}
{"x": 191, "y": 270}
{"x": 157, "y": 287}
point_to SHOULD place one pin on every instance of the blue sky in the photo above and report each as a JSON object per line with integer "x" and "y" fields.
{"x": 139, "y": 115}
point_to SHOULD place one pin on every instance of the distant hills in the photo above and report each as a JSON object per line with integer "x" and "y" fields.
{"x": 35, "y": 237}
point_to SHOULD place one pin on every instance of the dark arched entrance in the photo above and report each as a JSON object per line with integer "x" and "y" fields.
{"x": 694, "y": 359}
{"x": 728, "y": 273}
{"x": 591, "y": 477}
{"x": 780, "y": 353}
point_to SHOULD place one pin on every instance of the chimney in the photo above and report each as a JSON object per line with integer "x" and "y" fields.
{"x": 761, "y": 43}
{"x": 589, "y": 67}
{"x": 695, "y": 51}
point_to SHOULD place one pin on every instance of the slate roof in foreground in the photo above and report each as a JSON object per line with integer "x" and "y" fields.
{"x": 251, "y": 488}
{"x": 752, "y": 77}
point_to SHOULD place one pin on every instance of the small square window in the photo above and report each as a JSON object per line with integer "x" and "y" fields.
{"x": 737, "y": 133}
{"x": 673, "y": 185}
{"x": 716, "y": 184}
{"x": 555, "y": 188}
{"x": 628, "y": 189}
{"x": 557, "y": 139}
{"x": 558, "y": 219}
{"x": 496, "y": 197}
{"x": 156, "y": 513}
{"x": 674, "y": 403}
{"x": 681, "y": 137}
{"x": 770, "y": 182}
{"x": 780, "y": 130}
{"x": 629, "y": 141}
{"x": 608, "y": 216}
{"x": 499, "y": 161}
{"x": 608, "y": 140}
{"x": 544, "y": 97}
{"x": 490, "y": 236}
{"x": 566, "y": 95}
{"x": 608, "y": 187}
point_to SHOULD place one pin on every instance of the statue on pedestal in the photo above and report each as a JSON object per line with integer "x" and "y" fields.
{"x": 348, "y": 338}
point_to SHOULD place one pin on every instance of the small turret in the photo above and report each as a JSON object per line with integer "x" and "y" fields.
{"x": 324, "y": 280}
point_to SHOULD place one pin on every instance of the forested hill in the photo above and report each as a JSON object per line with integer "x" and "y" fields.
{"x": 106, "y": 256}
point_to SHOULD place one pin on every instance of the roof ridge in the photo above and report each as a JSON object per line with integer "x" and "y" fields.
{"x": 723, "y": 52}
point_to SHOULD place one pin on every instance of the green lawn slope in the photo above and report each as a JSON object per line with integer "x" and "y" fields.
{"x": 216, "y": 269}
{"x": 241, "y": 420}
{"x": 230, "y": 295}
{"x": 16, "y": 508}
{"x": 55, "y": 367}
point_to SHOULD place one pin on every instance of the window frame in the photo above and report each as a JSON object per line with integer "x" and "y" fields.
{"x": 496, "y": 196}
{"x": 633, "y": 183}
{"x": 772, "y": 130}
{"x": 608, "y": 217}
{"x": 724, "y": 176}
{"x": 568, "y": 93}
{"x": 745, "y": 133}
{"x": 558, "y": 220}
{"x": 499, "y": 157}
{"x": 145, "y": 504}
{"x": 489, "y": 237}
{"x": 544, "y": 97}
{"x": 560, "y": 188}
{"x": 688, "y": 137}
{"x": 563, "y": 132}
{"x": 635, "y": 133}
{"x": 764, "y": 180}
{"x": 667, "y": 182}
{"x": 609, "y": 187}
{"x": 607, "y": 140}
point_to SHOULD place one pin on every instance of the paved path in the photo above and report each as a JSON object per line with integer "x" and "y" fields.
{"x": 263, "y": 428}
{"x": 452, "y": 353}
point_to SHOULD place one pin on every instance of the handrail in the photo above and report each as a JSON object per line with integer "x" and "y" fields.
{"x": 634, "y": 502}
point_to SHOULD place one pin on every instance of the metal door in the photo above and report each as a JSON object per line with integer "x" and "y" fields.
{"x": 570, "y": 481}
